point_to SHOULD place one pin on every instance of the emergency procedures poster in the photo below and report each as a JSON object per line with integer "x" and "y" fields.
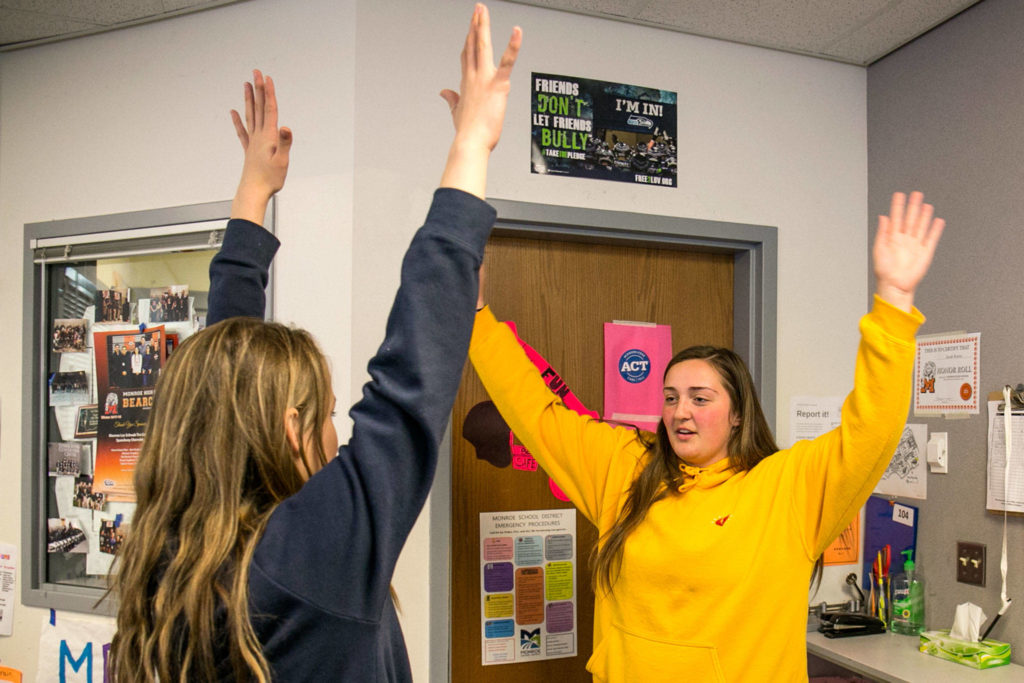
{"x": 527, "y": 585}
{"x": 609, "y": 131}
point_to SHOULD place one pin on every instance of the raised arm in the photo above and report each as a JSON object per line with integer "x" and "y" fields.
{"x": 587, "y": 458}
{"x": 841, "y": 468}
{"x": 240, "y": 271}
{"x": 266, "y": 148}
{"x": 372, "y": 493}
{"x": 417, "y": 369}
{"x": 479, "y": 111}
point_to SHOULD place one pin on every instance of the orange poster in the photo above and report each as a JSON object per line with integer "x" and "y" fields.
{"x": 844, "y": 549}
{"x": 127, "y": 367}
{"x": 529, "y": 595}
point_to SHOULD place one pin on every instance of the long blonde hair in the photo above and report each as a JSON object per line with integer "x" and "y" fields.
{"x": 215, "y": 463}
{"x": 749, "y": 443}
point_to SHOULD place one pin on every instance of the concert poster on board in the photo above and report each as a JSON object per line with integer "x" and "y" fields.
{"x": 128, "y": 364}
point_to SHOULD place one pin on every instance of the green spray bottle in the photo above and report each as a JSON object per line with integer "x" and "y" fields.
{"x": 908, "y": 599}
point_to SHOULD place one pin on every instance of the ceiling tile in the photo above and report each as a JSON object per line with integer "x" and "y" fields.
{"x": 19, "y": 27}
{"x": 854, "y": 31}
{"x": 174, "y": 5}
{"x": 895, "y": 27}
{"x": 800, "y": 25}
{"x": 104, "y": 12}
{"x": 614, "y": 8}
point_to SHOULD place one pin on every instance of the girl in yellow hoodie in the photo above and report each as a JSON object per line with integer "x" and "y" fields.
{"x": 709, "y": 532}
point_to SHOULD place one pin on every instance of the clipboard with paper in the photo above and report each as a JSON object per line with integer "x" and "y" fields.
{"x": 1005, "y": 481}
{"x": 1007, "y": 415}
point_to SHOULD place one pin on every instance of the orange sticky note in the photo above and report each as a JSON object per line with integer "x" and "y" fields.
{"x": 9, "y": 674}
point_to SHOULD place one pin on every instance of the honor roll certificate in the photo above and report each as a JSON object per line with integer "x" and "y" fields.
{"x": 947, "y": 374}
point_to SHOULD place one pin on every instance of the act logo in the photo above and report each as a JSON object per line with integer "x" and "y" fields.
{"x": 529, "y": 640}
{"x": 634, "y": 366}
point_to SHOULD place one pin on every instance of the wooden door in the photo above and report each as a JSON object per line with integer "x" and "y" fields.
{"x": 560, "y": 294}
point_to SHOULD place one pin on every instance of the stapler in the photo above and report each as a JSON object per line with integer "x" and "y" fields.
{"x": 844, "y": 624}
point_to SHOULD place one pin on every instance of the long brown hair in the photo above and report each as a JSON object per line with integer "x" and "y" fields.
{"x": 215, "y": 463}
{"x": 749, "y": 443}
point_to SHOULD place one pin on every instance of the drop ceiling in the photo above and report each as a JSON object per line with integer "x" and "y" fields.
{"x": 851, "y": 31}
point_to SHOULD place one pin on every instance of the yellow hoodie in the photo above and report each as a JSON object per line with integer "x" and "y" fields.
{"x": 713, "y": 585}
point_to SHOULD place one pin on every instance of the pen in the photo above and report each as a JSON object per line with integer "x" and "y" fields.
{"x": 881, "y": 587}
{"x": 887, "y": 558}
{"x": 871, "y": 599}
{"x": 1003, "y": 609}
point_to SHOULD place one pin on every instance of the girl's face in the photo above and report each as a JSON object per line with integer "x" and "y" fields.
{"x": 330, "y": 433}
{"x": 697, "y": 413}
{"x": 329, "y": 442}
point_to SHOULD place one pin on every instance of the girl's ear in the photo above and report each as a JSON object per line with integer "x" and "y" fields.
{"x": 291, "y": 429}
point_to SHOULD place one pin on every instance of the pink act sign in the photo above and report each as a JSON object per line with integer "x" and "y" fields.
{"x": 635, "y": 358}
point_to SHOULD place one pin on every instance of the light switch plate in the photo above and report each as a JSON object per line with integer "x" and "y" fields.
{"x": 970, "y": 563}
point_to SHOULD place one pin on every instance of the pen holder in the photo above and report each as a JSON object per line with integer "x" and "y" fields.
{"x": 983, "y": 655}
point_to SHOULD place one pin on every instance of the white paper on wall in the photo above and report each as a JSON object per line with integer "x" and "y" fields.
{"x": 907, "y": 474}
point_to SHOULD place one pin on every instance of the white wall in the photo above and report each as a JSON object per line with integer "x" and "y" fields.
{"x": 137, "y": 119}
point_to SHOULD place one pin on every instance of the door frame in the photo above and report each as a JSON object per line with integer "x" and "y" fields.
{"x": 755, "y": 313}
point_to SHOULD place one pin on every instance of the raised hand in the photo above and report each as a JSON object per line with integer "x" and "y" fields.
{"x": 904, "y": 247}
{"x": 478, "y": 110}
{"x": 266, "y": 150}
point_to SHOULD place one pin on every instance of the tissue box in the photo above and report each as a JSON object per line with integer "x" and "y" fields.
{"x": 984, "y": 655}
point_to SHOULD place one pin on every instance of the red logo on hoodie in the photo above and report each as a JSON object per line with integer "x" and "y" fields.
{"x": 722, "y": 520}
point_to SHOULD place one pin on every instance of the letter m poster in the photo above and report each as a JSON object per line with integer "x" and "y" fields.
{"x": 635, "y": 358}
{"x": 607, "y": 131}
{"x": 73, "y": 650}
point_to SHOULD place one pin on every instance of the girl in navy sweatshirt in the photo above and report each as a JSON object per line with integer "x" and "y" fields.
{"x": 255, "y": 554}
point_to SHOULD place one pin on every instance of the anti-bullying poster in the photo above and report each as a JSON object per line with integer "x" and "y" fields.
{"x": 609, "y": 131}
{"x": 127, "y": 367}
{"x": 527, "y": 585}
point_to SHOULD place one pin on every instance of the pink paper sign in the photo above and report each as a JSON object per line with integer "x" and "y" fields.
{"x": 497, "y": 549}
{"x": 635, "y": 358}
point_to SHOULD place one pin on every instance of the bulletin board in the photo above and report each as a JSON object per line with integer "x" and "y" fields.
{"x": 108, "y": 299}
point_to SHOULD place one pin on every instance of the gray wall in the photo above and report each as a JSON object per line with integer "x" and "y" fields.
{"x": 946, "y": 116}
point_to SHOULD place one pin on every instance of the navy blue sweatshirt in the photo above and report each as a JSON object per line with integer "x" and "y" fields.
{"x": 320, "y": 578}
